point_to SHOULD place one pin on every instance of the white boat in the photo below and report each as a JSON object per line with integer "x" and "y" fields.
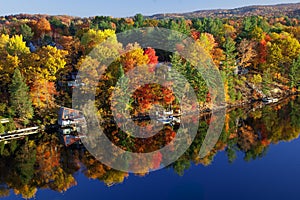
{"x": 270, "y": 100}
{"x": 165, "y": 120}
{"x": 169, "y": 120}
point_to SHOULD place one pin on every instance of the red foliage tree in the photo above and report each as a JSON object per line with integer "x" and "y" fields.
{"x": 195, "y": 35}
{"x": 263, "y": 51}
{"x": 150, "y": 52}
{"x": 153, "y": 59}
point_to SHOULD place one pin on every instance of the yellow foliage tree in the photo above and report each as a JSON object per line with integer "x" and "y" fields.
{"x": 94, "y": 37}
{"x": 133, "y": 57}
{"x": 42, "y": 93}
{"x": 46, "y": 62}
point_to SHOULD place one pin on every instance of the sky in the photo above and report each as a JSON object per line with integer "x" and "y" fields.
{"x": 120, "y": 8}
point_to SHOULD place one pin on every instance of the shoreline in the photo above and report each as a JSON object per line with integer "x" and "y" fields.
{"x": 232, "y": 106}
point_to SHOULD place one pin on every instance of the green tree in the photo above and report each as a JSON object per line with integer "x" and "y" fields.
{"x": 26, "y": 32}
{"x": 215, "y": 27}
{"x": 295, "y": 73}
{"x": 198, "y": 25}
{"x": 24, "y": 162}
{"x": 266, "y": 81}
{"x": 193, "y": 75}
{"x": 56, "y": 23}
{"x": 19, "y": 97}
{"x": 138, "y": 20}
{"x": 230, "y": 53}
{"x": 72, "y": 29}
{"x": 253, "y": 27}
{"x": 229, "y": 66}
{"x": 247, "y": 27}
{"x": 101, "y": 23}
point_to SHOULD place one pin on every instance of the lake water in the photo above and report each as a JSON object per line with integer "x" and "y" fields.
{"x": 256, "y": 158}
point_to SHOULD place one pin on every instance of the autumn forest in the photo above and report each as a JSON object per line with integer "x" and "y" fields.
{"x": 258, "y": 58}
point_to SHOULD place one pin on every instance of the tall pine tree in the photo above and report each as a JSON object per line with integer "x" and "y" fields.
{"x": 19, "y": 97}
{"x": 295, "y": 74}
{"x": 229, "y": 68}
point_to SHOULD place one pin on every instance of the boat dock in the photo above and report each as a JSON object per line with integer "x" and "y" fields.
{"x": 17, "y": 134}
{"x": 4, "y": 121}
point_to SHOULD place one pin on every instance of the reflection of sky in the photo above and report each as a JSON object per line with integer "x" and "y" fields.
{"x": 275, "y": 176}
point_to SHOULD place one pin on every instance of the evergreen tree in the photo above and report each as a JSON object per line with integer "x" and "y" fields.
{"x": 198, "y": 25}
{"x": 230, "y": 53}
{"x": 26, "y": 32}
{"x": 138, "y": 20}
{"x": 294, "y": 73}
{"x": 72, "y": 29}
{"x": 19, "y": 97}
{"x": 266, "y": 81}
{"x": 193, "y": 75}
{"x": 229, "y": 67}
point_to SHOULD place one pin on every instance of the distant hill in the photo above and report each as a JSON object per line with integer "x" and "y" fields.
{"x": 290, "y": 9}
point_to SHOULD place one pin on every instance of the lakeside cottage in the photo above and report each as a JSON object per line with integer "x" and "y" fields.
{"x": 72, "y": 123}
{"x": 70, "y": 117}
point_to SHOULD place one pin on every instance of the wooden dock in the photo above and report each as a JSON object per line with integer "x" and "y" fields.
{"x": 3, "y": 121}
{"x": 17, "y": 134}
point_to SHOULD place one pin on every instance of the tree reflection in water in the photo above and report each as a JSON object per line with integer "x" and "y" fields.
{"x": 42, "y": 162}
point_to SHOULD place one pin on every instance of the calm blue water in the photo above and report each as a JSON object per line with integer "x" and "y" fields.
{"x": 275, "y": 176}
